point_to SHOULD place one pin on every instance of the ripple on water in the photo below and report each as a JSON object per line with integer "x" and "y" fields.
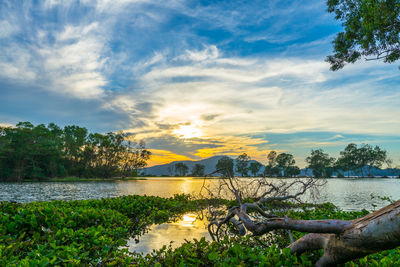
{"x": 348, "y": 194}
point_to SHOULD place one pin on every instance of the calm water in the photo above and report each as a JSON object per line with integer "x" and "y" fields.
{"x": 189, "y": 227}
{"x": 348, "y": 194}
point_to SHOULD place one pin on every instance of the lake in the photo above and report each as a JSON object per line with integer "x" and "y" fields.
{"x": 348, "y": 194}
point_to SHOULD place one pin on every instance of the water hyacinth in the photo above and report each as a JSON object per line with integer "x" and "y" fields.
{"x": 93, "y": 232}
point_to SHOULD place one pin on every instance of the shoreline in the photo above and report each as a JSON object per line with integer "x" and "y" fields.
{"x": 78, "y": 179}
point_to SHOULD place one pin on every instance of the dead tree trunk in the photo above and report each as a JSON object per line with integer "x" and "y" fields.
{"x": 377, "y": 231}
{"x": 341, "y": 240}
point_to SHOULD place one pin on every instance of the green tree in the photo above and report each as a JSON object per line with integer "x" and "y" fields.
{"x": 181, "y": 168}
{"x": 372, "y": 157}
{"x": 284, "y": 162}
{"x": 271, "y": 168}
{"x": 28, "y": 151}
{"x": 348, "y": 160}
{"x": 320, "y": 163}
{"x": 225, "y": 166}
{"x": 371, "y": 30}
{"x": 242, "y": 164}
{"x": 134, "y": 157}
{"x": 198, "y": 170}
{"x": 292, "y": 171}
{"x": 363, "y": 158}
{"x": 255, "y": 168}
{"x": 75, "y": 157}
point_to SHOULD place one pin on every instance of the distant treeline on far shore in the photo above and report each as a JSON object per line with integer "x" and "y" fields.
{"x": 38, "y": 152}
{"x": 355, "y": 160}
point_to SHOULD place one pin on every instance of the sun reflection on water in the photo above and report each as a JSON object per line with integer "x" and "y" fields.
{"x": 187, "y": 227}
{"x": 188, "y": 220}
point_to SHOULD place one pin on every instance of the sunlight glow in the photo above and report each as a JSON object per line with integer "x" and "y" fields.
{"x": 188, "y": 220}
{"x": 187, "y": 131}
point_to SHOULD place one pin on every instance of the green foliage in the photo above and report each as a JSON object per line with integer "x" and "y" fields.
{"x": 242, "y": 162}
{"x": 281, "y": 165}
{"x": 92, "y": 232}
{"x": 181, "y": 168}
{"x": 358, "y": 158}
{"x": 255, "y": 168}
{"x": 371, "y": 30}
{"x": 198, "y": 170}
{"x": 225, "y": 166}
{"x": 269, "y": 250}
{"x": 38, "y": 152}
{"x": 320, "y": 163}
{"x": 285, "y": 162}
{"x": 83, "y": 232}
{"x": 228, "y": 252}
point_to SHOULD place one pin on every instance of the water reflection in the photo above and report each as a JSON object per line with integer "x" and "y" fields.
{"x": 190, "y": 226}
{"x": 348, "y": 194}
{"x": 163, "y": 187}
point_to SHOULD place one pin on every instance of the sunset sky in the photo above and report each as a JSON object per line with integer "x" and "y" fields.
{"x": 194, "y": 79}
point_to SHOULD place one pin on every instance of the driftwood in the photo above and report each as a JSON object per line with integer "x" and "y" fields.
{"x": 341, "y": 240}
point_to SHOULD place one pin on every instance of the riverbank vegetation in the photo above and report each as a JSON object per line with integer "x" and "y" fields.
{"x": 82, "y": 232}
{"x": 269, "y": 250}
{"x": 94, "y": 232}
{"x": 341, "y": 240}
{"x": 40, "y": 152}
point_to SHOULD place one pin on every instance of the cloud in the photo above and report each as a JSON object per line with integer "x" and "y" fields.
{"x": 160, "y": 156}
{"x": 337, "y": 136}
{"x": 7, "y": 29}
{"x": 236, "y": 71}
{"x": 16, "y": 66}
{"x": 277, "y": 95}
{"x": 209, "y": 52}
{"x": 74, "y": 62}
{"x": 209, "y": 117}
{"x": 280, "y": 96}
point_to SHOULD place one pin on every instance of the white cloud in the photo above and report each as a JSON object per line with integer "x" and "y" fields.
{"x": 7, "y": 29}
{"x": 253, "y": 94}
{"x": 75, "y": 61}
{"x": 15, "y": 63}
{"x": 250, "y": 70}
{"x": 6, "y": 125}
{"x": 209, "y": 52}
{"x": 280, "y": 95}
{"x": 77, "y": 32}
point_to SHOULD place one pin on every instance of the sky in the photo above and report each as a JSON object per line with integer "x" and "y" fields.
{"x": 194, "y": 79}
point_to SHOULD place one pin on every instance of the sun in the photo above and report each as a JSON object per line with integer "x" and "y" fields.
{"x": 187, "y": 131}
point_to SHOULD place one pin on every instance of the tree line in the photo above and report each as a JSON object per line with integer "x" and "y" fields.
{"x": 28, "y": 151}
{"x": 359, "y": 160}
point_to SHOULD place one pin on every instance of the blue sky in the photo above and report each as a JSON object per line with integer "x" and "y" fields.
{"x": 194, "y": 78}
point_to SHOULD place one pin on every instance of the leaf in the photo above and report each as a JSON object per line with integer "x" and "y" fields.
{"x": 213, "y": 256}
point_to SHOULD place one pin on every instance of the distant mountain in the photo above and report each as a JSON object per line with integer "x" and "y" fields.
{"x": 209, "y": 163}
{"x": 169, "y": 169}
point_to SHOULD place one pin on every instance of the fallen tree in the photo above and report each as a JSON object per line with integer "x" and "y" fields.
{"x": 341, "y": 240}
